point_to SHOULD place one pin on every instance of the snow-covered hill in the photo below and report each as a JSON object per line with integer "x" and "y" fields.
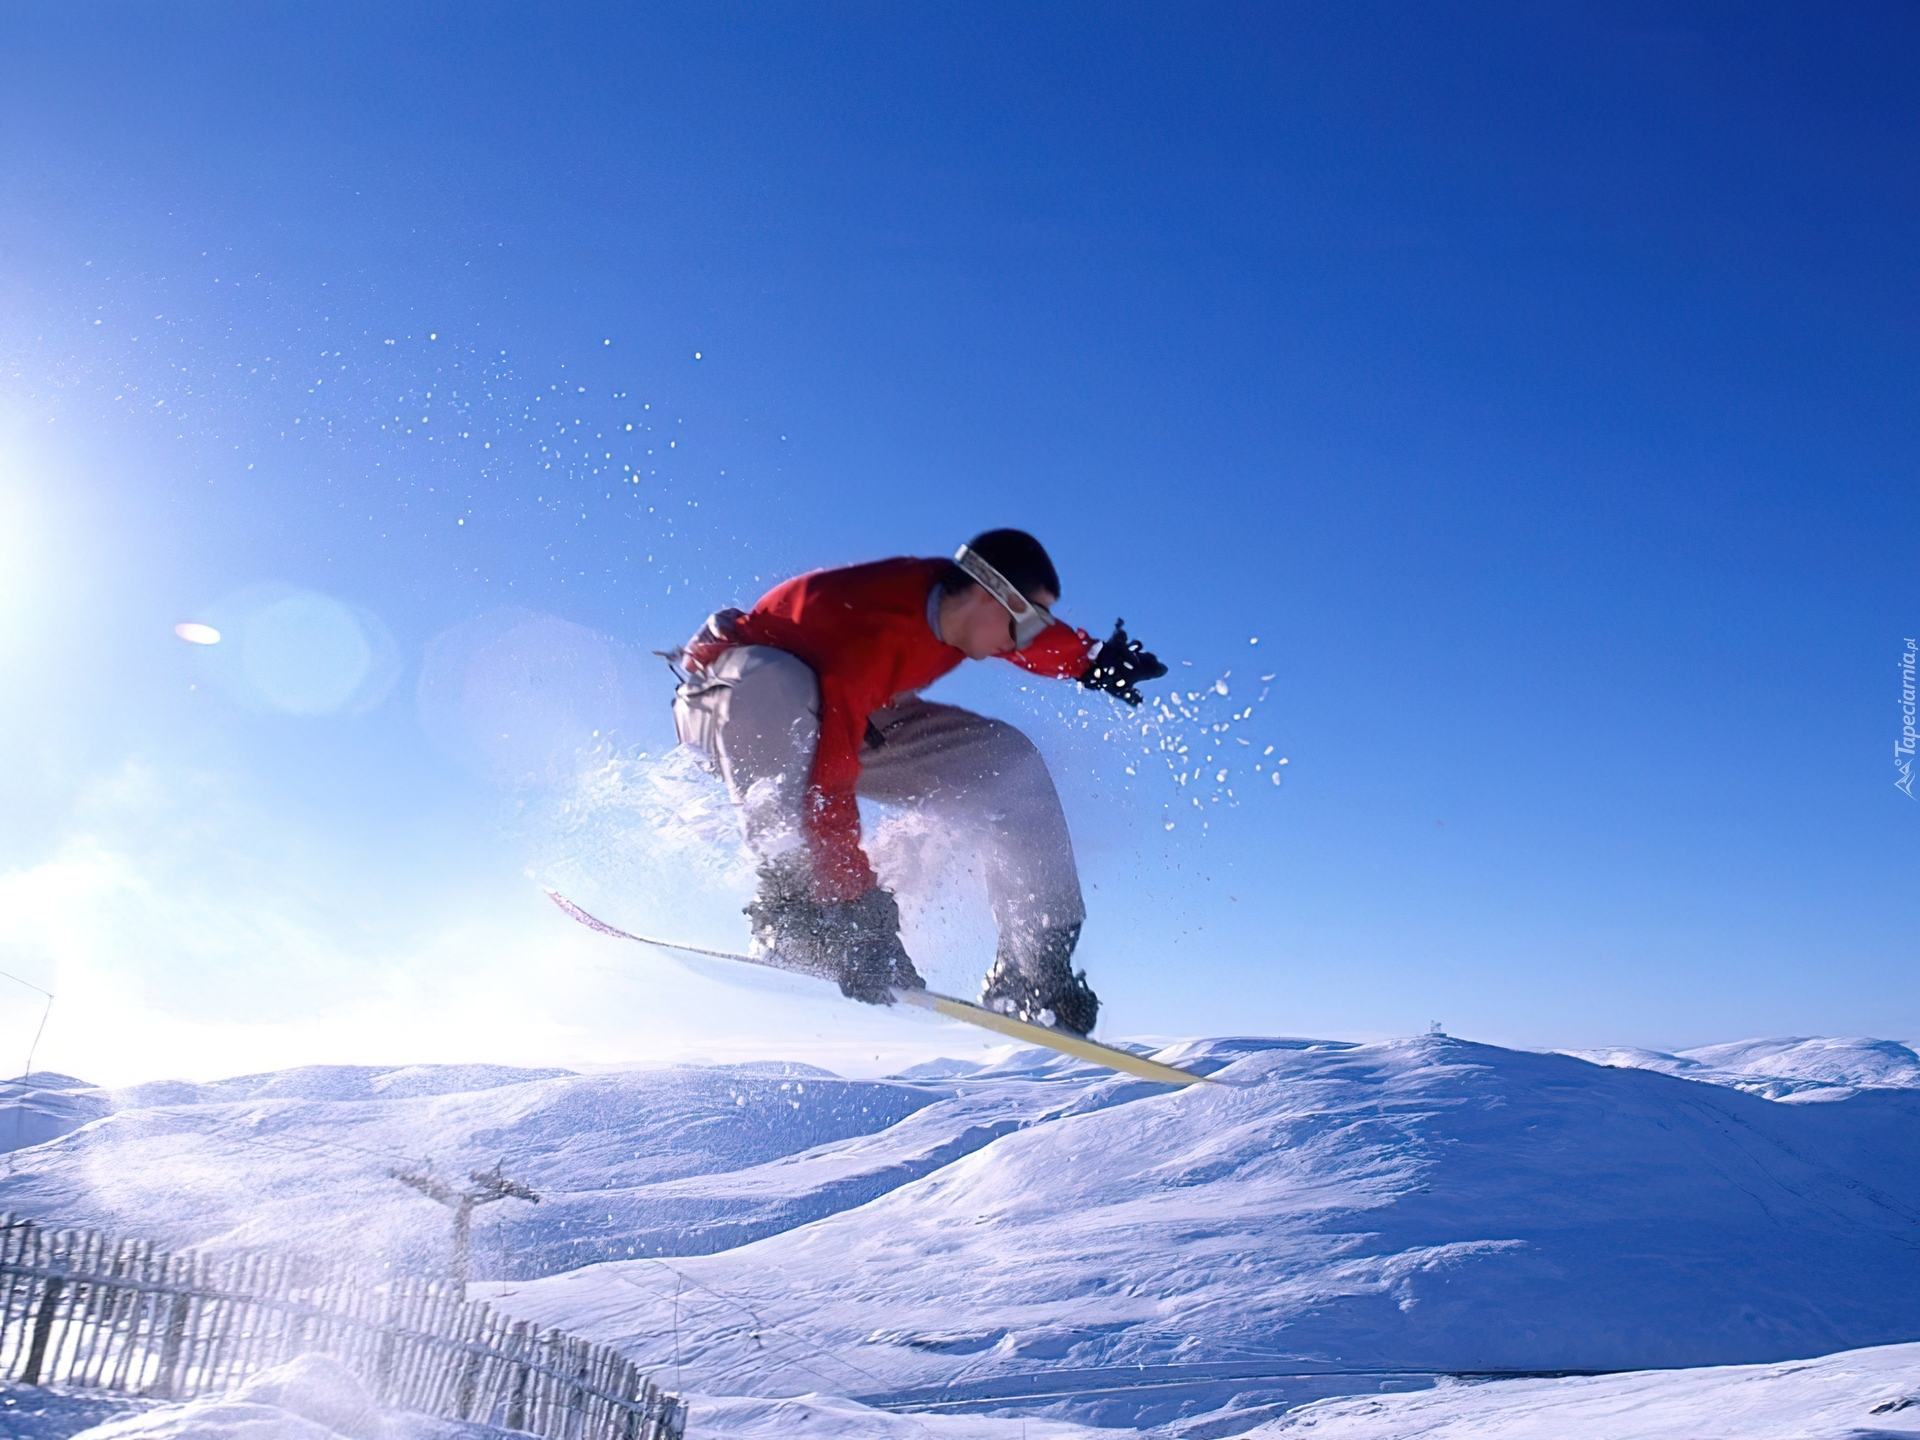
{"x": 1426, "y": 1205}
{"x": 1094, "y": 1248}
{"x": 669, "y": 1161}
{"x": 1855, "y": 1395}
{"x": 46, "y": 1106}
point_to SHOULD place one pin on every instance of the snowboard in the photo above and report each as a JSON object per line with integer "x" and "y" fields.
{"x": 1064, "y": 1041}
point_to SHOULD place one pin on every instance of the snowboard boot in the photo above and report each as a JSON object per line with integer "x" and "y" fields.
{"x": 785, "y": 917}
{"x": 1042, "y": 986}
{"x": 855, "y": 943}
{"x": 864, "y": 937}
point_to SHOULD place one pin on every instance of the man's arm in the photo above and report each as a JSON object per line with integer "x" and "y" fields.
{"x": 1116, "y": 665}
{"x": 841, "y": 870}
{"x": 1059, "y": 652}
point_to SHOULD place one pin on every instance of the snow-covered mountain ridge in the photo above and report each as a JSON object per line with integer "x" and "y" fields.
{"x": 1044, "y": 1234}
{"x": 1788, "y": 1068}
{"x": 665, "y": 1161}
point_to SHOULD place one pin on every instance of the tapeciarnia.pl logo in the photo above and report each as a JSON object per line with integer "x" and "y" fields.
{"x": 1903, "y": 747}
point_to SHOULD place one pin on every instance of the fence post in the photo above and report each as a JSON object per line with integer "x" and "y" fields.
{"x": 384, "y": 1355}
{"x": 633, "y": 1391}
{"x": 42, "y": 1328}
{"x": 469, "y": 1376}
{"x": 517, "y": 1399}
{"x": 575, "y": 1426}
{"x": 170, "y": 1345}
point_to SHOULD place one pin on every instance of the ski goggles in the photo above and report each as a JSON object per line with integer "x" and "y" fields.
{"x": 1026, "y": 619}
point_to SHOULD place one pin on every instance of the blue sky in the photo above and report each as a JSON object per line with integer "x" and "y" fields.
{"x": 1534, "y": 385}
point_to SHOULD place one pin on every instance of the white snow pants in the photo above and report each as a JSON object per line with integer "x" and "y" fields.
{"x": 755, "y": 713}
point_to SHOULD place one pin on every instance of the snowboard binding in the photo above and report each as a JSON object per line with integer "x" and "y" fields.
{"x": 855, "y": 943}
{"x": 1059, "y": 996}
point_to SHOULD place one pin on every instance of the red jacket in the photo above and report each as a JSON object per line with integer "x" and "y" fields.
{"x": 864, "y": 632}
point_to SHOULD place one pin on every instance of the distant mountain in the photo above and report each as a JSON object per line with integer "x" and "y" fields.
{"x": 1789, "y": 1068}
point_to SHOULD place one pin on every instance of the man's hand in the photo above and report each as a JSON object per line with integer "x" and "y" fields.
{"x": 1120, "y": 664}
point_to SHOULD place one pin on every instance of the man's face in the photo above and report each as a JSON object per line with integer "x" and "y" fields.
{"x": 979, "y": 625}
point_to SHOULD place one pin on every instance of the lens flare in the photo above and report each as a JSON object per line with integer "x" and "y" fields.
{"x": 295, "y": 652}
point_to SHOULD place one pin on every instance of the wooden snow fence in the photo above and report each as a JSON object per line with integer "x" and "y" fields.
{"x": 82, "y": 1309}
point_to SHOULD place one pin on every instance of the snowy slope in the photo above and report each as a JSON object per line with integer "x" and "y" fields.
{"x": 1425, "y": 1205}
{"x": 1042, "y": 1233}
{"x": 673, "y": 1161}
{"x": 1857, "y": 1395}
{"x": 312, "y": 1397}
{"x": 46, "y": 1106}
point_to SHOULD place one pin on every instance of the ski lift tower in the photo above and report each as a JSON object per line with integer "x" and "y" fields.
{"x": 489, "y": 1186}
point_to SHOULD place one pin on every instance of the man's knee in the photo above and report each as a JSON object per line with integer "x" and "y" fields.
{"x": 1001, "y": 750}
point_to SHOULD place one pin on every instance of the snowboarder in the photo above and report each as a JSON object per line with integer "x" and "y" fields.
{"x": 812, "y": 698}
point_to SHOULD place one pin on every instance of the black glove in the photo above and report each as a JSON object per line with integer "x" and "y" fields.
{"x": 1120, "y": 664}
